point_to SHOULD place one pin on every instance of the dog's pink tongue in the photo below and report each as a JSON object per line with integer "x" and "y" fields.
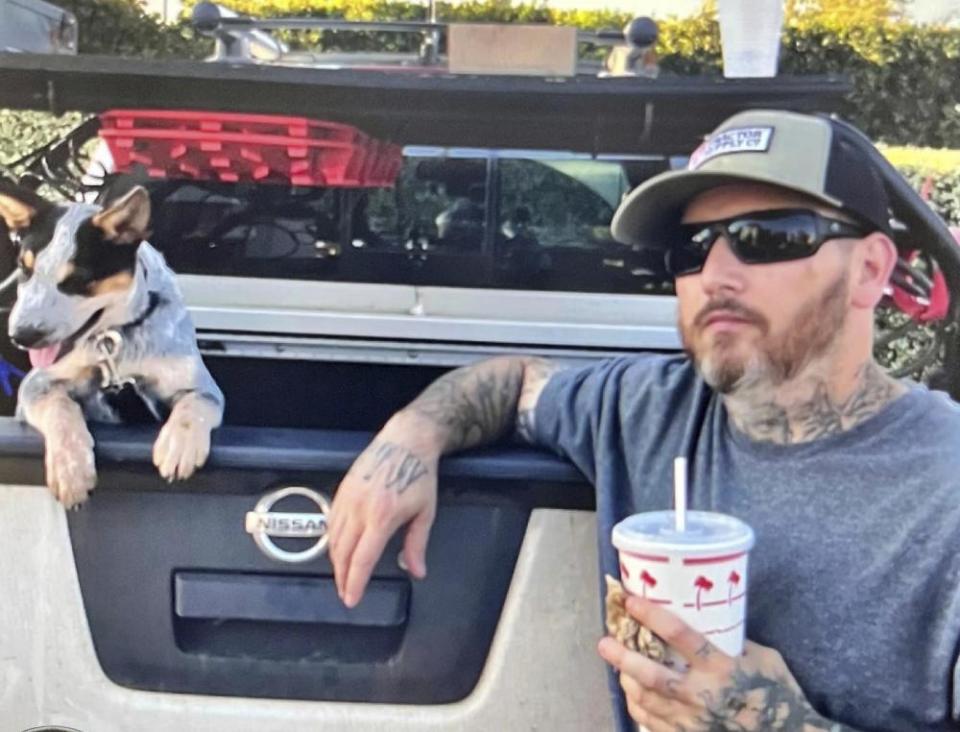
{"x": 42, "y": 357}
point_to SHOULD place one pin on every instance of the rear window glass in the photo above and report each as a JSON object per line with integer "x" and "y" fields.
{"x": 458, "y": 219}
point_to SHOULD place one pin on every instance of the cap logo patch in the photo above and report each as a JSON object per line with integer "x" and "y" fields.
{"x": 735, "y": 140}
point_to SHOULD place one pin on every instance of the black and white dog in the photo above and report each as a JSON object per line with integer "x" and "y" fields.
{"x": 104, "y": 322}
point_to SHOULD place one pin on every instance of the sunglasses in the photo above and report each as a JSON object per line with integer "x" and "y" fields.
{"x": 763, "y": 237}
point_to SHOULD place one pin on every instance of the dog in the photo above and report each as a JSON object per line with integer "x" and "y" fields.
{"x": 104, "y": 322}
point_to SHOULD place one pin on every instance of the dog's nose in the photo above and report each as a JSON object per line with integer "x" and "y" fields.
{"x": 28, "y": 337}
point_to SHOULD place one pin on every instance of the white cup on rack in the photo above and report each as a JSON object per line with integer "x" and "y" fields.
{"x": 750, "y": 37}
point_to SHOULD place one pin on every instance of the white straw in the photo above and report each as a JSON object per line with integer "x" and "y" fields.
{"x": 680, "y": 493}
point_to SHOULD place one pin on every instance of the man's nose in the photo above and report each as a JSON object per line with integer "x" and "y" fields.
{"x": 28, "y": 337}
{"x": 722, "y": 270}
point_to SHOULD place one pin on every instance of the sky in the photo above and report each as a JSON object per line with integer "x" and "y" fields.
{"x": 923, "y": 11}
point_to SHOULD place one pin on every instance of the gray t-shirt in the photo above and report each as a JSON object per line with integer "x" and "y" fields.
{"x": 855, "y": 576}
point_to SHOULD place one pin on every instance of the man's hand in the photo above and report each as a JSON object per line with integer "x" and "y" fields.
{"x": 393, "y": 482}
{"x": 718, "y": 693}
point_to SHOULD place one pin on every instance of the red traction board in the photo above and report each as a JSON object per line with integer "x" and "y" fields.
{"x": 233, "y": 148}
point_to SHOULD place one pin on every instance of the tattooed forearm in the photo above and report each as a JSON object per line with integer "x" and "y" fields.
{"x": 819, "y": 415}
{"x": 398, "y": 467}
{"x": 525, "y": 425}
{"x": 474, "y": 405}
{"x": 536, "y": 374}
{"x": 479, "y": 404}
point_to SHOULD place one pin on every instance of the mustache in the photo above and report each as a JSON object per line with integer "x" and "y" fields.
{"x": 728, "y": 305}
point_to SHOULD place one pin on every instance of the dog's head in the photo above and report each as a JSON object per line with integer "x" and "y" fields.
{"x": 77, "y": 266}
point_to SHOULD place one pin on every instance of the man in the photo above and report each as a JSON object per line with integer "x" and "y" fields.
{"x": 778, "y": 237}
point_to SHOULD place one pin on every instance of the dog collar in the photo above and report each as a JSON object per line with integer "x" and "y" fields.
{"x": 108, "y": 344}
{"x": 153, "y": 300}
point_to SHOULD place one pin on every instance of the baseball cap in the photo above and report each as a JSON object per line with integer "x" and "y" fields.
{"x": 808, "y": 154}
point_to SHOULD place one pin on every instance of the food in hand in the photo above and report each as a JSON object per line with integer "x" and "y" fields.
{"x": 625, "y": 629}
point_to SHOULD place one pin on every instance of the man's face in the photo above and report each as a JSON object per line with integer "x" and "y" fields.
{"x": 750, "y": 325}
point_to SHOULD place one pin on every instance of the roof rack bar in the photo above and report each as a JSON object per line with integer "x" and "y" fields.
{"x": 399, "y": 26}
{"x": 209, "y": 18}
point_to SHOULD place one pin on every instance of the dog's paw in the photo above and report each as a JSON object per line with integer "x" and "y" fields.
{"x": 182, "y": 446}
{"x": 71, "y": 471}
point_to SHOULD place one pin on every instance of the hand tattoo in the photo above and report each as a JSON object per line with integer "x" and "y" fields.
{"x": 400, "y": 467}
{"x": 705, "y": 650}
{"x": 754, "y": 702}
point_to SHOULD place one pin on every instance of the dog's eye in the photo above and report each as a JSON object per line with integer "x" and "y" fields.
{"x": 75, "y": 283}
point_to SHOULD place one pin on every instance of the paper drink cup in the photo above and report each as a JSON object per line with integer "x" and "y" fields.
{"x": 750, "y": 37}
{"x": 699, "y": 574}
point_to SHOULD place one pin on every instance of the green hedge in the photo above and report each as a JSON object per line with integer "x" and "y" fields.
{"x": 906, "y": 79}
{"x": 23, "y": 132}
{"x": 123, "y": 28}
{"x": 944, "y": 192}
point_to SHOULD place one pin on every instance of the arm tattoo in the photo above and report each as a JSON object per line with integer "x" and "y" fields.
{"x": 399, "y": 467}
{"x": 525, "y": 427}
{"x": 479, "y": 404}
{"x": 538, "y": 371}
{"x": 476, "y": 404}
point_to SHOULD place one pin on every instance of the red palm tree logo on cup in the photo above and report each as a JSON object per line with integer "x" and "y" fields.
{"x": 648, "y": 581}
{"x": 733, "y": 582}
{"x": 703, "y": 585}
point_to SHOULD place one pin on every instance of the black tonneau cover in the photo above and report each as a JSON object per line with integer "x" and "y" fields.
{"x": 585, "y": 113}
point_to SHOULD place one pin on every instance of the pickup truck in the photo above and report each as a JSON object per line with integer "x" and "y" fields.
{"x": 322, "y": 306}
{"x": 34, "y": 26}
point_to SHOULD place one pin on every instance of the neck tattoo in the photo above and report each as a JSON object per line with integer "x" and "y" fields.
{"x": 818, "y": 415}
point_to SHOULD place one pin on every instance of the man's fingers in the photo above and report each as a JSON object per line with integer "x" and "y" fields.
{"x": 693, "y": 646}
{"x": 649, "y": 674}
{"x": 650, "y": 722}
{"x": 341, "y": 554}
{"x": 338, "y": 514}
{"x": 363, "y": 560}
{"x": 415, "y": 543}
{"x": 370, "y": 504}
{"x": 648, "y": 699}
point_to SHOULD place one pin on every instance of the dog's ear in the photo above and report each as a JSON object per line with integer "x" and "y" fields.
{"x": 126, "y": 220}
{"x": 19, "y": 206}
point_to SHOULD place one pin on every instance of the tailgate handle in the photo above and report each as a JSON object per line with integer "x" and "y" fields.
{"x": 286, "y": 598}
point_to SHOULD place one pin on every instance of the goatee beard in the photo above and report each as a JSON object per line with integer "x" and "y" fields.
{"x": 811, "y": 334}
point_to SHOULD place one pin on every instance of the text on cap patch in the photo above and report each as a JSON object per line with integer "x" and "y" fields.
{"x": 735, "y": 140}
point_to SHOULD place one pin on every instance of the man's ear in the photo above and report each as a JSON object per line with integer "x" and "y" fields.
{"x": 875, "y": 258}
{"x": 19, "y": 206}
{"x": 126, "y": 220}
